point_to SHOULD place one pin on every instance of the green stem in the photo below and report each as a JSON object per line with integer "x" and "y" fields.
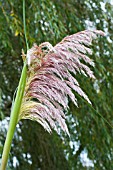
{"x": 24, "y": 23}
{"x": 14, "y": 118}
{"x": 16, "y": 108}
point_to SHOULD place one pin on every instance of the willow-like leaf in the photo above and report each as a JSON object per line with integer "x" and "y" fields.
{"x": 50, "y": 79}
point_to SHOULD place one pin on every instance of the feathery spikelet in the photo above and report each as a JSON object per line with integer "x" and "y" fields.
{"x": 50, "y": 82}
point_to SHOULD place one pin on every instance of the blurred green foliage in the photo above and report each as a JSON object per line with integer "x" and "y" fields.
{"x": 51, "y": 20}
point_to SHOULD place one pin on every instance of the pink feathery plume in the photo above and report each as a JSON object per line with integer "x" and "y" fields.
{"x": 52, "y": 77}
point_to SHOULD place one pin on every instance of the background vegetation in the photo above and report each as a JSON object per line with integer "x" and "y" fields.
{"x": 91, "y": 144}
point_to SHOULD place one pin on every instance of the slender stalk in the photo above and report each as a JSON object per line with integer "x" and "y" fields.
{"x": 24, "y": 24}
{"x": 16, "y": 107}
{"x": 14, "y": 118}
